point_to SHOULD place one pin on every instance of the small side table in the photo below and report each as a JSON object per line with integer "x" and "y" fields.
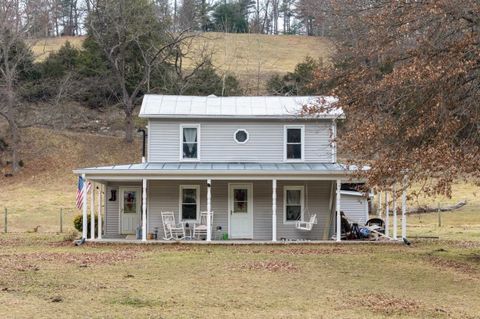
{"x": 188, "y": 226}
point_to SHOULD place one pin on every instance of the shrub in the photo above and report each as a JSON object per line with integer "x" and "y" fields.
{"x": 296, "y": 82}
{"x": 78, "y": 223}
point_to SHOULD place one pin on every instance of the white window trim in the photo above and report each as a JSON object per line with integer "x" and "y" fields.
{"x": 197, "y": 126}
{"x": 235, "y": 136}
{"x": 302, "y": 203}
{"x": 180, "y": 193}
{"x": 285, "y": 129}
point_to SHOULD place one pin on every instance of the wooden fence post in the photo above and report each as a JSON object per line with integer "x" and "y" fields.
{"x": 6, "y": 220}
{"x": 439, "y": 216}
{"x": 61, "y": 220}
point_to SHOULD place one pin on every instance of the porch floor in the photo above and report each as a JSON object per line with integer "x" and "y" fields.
{"x": 237, "y": 242}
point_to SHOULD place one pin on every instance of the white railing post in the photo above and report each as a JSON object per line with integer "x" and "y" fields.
{"x": 404, "y": 210}
{"x": 209, "y": 210}
{"x": 144, "y": 209}
{"x": 339, "y": 220}
{"x": 84, "y": 208}
{"x": 379, "y": 209}
{"x": 387, "y": 215}
{"x": 92, "y": 211}
{"x": 274, "y": 210}
{"x": 394, "y": 199}
{"x": 99, "y": 213}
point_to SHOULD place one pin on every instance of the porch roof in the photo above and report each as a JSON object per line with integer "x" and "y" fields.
{"x": 183, "y": 169}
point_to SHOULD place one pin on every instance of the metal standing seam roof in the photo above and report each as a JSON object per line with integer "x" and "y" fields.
{"x": 175, "y": 106}
{"x": 219, "y": 167}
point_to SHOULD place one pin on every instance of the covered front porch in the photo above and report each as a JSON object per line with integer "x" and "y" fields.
{"x": 242, "y": 205}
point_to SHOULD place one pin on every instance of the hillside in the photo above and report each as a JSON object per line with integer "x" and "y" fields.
{"x": 251, "y": 57}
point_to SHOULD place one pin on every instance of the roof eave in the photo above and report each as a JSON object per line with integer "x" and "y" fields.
{"x": 130, "y": 172}
{"x": 241, "y": 117}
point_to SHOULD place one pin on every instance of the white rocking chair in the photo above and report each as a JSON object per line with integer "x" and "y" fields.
{"x": 172, "y": 230}
{"x": 306, "y": 226}
{"x": 200, "y": 229}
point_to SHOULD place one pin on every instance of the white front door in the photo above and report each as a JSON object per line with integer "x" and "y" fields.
{"x": 240, "y": 205}
{"x": 130, "y": 200}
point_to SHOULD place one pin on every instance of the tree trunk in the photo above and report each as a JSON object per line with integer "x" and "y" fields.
{"x": 129, "y": 125}
{"x": 12, "y": 125}
{"x": 14, "y": 145}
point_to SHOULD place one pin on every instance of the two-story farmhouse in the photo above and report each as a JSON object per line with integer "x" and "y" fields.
{"x": 249, "y": 168}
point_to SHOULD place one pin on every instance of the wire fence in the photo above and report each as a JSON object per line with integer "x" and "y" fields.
{"x": 52, "y": 220}
{"x": 461, "y": 222}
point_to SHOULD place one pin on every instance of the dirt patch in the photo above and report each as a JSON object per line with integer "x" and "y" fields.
{"x": 448, "y": 264}
{"x": 474, "y": 258}
{"x": 320, "y": 250}
{"x": 270, "y": 266}
{"x": 24, "y": 261}
{"x": 387, "y": 304}
{"x": 463, "y": 243}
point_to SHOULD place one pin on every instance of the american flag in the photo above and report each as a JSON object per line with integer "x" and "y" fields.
{"x": 80, "y": 192}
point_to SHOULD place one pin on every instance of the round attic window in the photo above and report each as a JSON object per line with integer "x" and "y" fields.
{"x": 241, "y": 136}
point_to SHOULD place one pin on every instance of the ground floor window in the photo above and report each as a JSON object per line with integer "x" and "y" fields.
{"x": 293, "y": 203}
{"x": 189, "y": 202}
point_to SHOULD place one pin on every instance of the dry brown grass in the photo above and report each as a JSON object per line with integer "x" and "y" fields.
{"x": 236, "y": 53}
{"x": 43, "y": 47}
{"x": 38, "y": 272}
{"x": 251, "y": 57}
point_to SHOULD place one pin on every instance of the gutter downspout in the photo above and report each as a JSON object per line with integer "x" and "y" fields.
{"x": 144, "y": 143}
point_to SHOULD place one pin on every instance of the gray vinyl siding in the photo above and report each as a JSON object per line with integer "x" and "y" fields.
{"x": 164, "y": 196}
{"x": 265, "y": 144}
{"x": 355, "y": 208}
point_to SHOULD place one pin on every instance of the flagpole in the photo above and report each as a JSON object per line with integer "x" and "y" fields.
{"x": 84, "y": 207}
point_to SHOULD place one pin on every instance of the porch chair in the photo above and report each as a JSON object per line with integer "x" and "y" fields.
{"x": 200, "y": 229}
{"x": 171, "y": 229}
{"x": 306, "y": 226}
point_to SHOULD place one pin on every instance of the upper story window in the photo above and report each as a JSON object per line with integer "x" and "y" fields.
{"x": 190, "y": 140}
{"x": 294, "y": 140}
{"x": 241, "y": 136}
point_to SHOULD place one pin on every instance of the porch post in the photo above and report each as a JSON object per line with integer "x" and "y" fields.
{"x": 387, "y": 215}
{"x": 394, "y": 199}
{"x": 144, "y": 209}
{"x": 92, "y": 212}
{"x": 209, "y": 209}
{"x": 379, "y": 209}
{"x": 99, "y": 213}
{"x": 404, "y": 211}
{"x": 274, "y": 210}
{"x": 339, "y": 220}
{"x": 84, "y": 208}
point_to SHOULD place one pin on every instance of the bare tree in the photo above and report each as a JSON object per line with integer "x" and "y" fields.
{"x": 275, "y": 14}
{"x": 14, "y": 55}
{"x": 133, "y": 41}
{"x": 407, "y": 75}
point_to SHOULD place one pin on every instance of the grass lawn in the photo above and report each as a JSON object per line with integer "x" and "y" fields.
{"x": 43, "y": 276}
